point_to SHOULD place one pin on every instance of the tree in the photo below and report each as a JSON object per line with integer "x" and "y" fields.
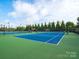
{"x": 19, "y": 28}
{"x": 62, "y": 26}
{"x": 42, "y": 27}
{"x": 49, "y": 26}
{"x": 35, "y": 26}
{"x": 28, "y": 28}
{"x": 70, "y": 26}
{"x": 45, "y": 27}
{"x": 57, "y": 26}
{"x": 53, "y": 26}
{"x": 38, "y": 27}
{"x": 78, "y": 22}
{"x": 77, "y": 26}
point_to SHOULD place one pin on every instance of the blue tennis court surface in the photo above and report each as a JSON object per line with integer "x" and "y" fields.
{"x": 49, "y": 37}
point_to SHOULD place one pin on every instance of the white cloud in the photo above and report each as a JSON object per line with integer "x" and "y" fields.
{"x": 45, "y": 11}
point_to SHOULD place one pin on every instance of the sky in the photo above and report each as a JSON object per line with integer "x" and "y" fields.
{"x": 25, "y": 12}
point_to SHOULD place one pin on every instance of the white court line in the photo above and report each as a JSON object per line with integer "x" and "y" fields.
{"x": 60, "y": 40}
{"x": 53, "y": 38}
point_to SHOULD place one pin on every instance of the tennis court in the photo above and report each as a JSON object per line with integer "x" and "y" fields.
{"x": 12, "y": 47}
{"x": 49, "y": 37}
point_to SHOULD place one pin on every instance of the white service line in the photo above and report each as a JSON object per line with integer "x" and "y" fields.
{"x": 53, "y": 37}
{"x": 60, "y": 40}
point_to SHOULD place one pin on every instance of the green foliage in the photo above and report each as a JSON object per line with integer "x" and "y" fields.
{"x": 63, "y": 26}
{"x": 38, "y": 27}
{"x": 77, "y": 26}
{"x": 58, "y": 26}
{"x": 49, "y": 26}
{"x": 78, "y": 22}
{"x": 28, "y": 28}
{"x": 45, "y": 27}
{"x": 19, "y": 28}
{"x": 70, "y": 26}
{"x": 42, "y": 27}
{"x": 52, "y": 26}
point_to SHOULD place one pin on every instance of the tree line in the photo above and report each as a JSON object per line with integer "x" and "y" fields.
{"x": 51, "y": 26}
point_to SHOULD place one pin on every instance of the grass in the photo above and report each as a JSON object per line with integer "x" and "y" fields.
{"x": 18, "y": 48}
